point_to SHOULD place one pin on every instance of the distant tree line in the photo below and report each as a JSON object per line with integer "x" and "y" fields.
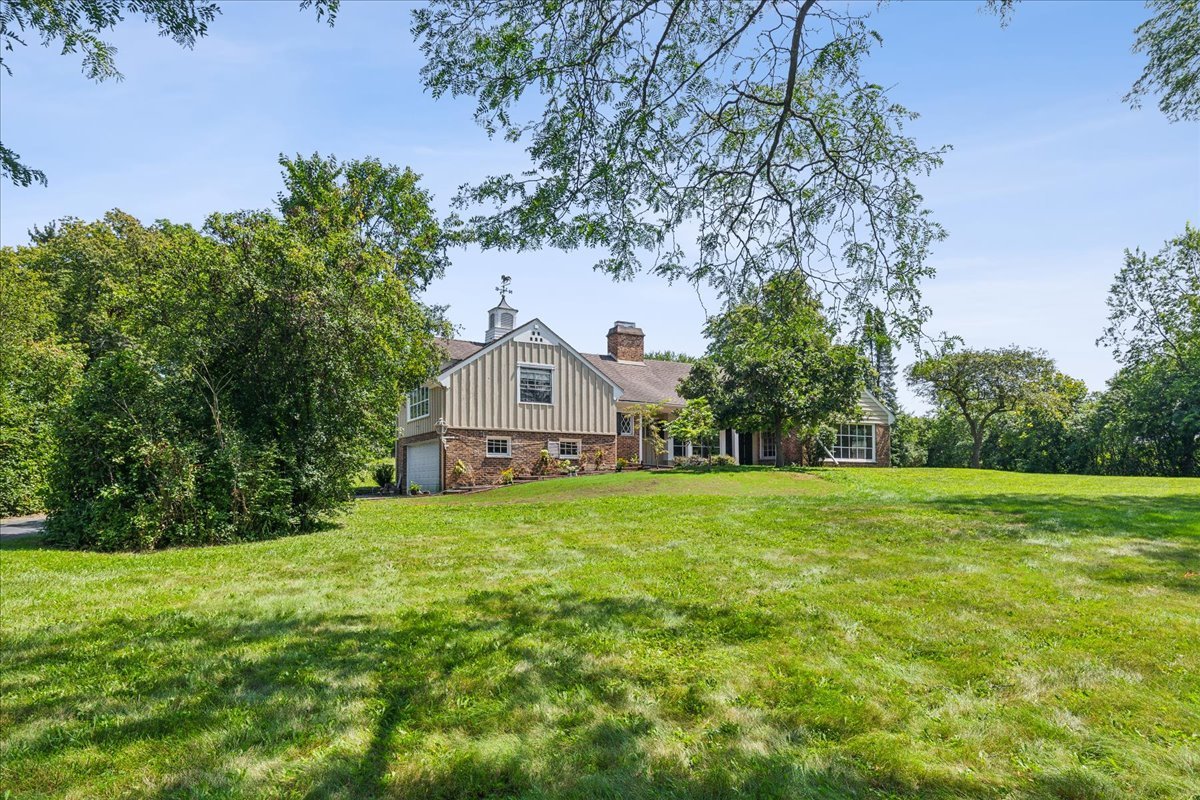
{"x": 165, "y": 385}
{"x": 1011, "y": 409}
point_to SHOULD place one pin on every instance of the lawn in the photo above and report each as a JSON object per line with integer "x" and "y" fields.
{"x": 856, "y": 633}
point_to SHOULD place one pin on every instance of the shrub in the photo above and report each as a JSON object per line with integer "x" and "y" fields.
{"x": 461, "y": 473}
{"x": 384, "y": 474}
{"x": 545, "y": 463}
{"x": 507, "y": 476}
{"x": 621, "y": 464}
{"x": 723, "y": 461}
{"x": 597, "y": 457}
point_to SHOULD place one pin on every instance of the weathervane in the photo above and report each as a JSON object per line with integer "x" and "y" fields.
{"x": 503, "y": 288}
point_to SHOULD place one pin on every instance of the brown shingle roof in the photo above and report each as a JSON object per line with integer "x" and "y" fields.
{"x": 649, "y": 382}
{"x": 458, "y": 349}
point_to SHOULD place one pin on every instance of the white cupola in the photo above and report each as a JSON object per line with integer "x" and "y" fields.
{"x": 501, "y": 319}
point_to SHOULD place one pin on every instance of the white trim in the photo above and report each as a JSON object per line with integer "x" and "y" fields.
{"x": 444, "y": 377}
{"x": 553, "y": 383}
{"x": 763, "y": 454}
{"x": 409, "y": 404}
{"x": 489, "y": 439}
{"x": 628, "y": 417}
{"x": 874, "y": 447}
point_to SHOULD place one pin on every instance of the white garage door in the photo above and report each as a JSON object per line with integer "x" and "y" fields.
{"x": 424, "y": 466}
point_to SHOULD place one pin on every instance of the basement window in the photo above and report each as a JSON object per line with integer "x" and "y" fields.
{"x": 568, "y": 448}
{"x": 499, "y": 447}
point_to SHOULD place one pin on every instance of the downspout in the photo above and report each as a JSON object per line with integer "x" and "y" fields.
{"x": 826, "y": 449}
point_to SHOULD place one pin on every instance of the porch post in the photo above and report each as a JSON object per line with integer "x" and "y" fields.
{"x": 737, "y": 449}
{"x": 641, "y": 430}
{"x": 721, "y": 447}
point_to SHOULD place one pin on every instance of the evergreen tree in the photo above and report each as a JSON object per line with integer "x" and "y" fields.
{"x": 876, "y": 345}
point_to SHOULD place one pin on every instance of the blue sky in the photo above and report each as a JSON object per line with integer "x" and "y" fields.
{"x": 1051, "y": 175}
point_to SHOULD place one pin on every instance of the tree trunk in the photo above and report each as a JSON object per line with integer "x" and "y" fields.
{"x": 976, "y": 446}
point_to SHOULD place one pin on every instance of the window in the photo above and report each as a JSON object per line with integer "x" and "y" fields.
{"x": 679, "y": 448}
{"x": 535, "y": 384}
{"x": 418, "y": 403}
{"x": 625, "y": 424}
{"x": 767, "y": 444}
{"x": 568, "y": 449}
{"x": 499, "y": 447}
{"x": 855, "y": 443}
{"x": 706, "y": 448}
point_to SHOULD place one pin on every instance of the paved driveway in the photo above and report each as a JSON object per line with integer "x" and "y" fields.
{"x": 22, "y": 526}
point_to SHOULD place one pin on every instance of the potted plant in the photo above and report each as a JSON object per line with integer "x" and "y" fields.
{"x": 414, "y": 488}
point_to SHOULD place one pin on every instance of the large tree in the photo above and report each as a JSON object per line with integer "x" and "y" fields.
{"x": 981, "y": 384}
{"x": 77, "y": 26}
{"x": 876, "y": 344}
{"x": 239, "y": 376}
{"x": 1154, "y": 302}
{"x": 38, "y": 374}
{"x": 1171, "y": 41}
{"x": 1153, "y": 407}
{"x": 772, "y": 365}
{"x": 744, "y": 125}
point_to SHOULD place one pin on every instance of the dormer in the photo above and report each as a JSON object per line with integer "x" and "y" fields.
{"x": 502, "y": 318}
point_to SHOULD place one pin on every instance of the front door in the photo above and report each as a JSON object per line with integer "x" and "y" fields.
{"x": 745, "y": 447}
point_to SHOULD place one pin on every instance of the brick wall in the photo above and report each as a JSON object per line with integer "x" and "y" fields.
{"x": 883, "y": 445}
{"x": 470, "y": 447}
{"x": 627, "y": 447}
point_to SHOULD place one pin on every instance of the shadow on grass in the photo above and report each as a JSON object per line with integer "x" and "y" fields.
{"x": 1134, "y": 516}
{"x": 1164, "y": 531}
{"x": 527, "y": 694}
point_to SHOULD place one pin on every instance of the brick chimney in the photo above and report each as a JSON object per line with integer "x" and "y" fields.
{"x": 626, "y": 342}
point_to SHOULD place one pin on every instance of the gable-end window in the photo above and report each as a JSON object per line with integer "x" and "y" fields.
{"x": 418, "y": 403}
{"x": 767, "y": 444}
{"x": 568, "y": 448}
{"x": 535, "y": 384}
{"x": 625, "y": 424}
{"x": 855, "y": 443}
{"x": 499, "y": 447}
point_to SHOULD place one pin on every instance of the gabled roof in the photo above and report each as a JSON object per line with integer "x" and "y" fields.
{"x": 470, "y": 351}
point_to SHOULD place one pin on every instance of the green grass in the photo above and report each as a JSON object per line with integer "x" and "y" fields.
{"x": 857, "y": 633}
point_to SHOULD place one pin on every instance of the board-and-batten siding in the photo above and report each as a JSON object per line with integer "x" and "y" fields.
{"x": 437, "y": 408}
{"x": 483, "y": 394}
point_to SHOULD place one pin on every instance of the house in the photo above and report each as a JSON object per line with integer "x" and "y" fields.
{"x": 498, "y": 403}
